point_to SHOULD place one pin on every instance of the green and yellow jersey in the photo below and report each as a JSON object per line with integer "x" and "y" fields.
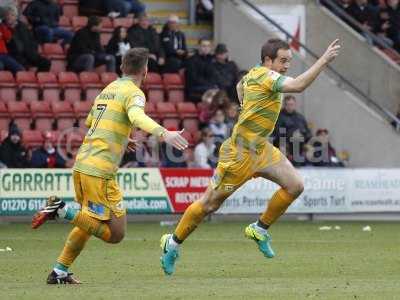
{"x": 262, "y": 101}
{"x": 118, "y": 108}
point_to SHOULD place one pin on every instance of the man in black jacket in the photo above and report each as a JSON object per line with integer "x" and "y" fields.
{"x": 393, "y": 9}
{"x": 200, "y": 73}
{"x": 291, "y": 126}
{"x": 226, "y": 71}
{"x": 174, "y": 43}
{"x": 365, "y": 13}
{"x": 44, "y": 15}
{"x": 86, "y": 51}
{"x": 23, "y": 46}
{"x": 12, "y": 153}
{"x": 144, "y": 35}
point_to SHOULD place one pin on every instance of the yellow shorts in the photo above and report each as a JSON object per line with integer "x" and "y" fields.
{"x": 236, "y": 166}
{"x": 97, "y": 196}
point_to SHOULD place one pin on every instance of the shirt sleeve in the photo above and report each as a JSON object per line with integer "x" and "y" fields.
{"x": 273, "y": 81}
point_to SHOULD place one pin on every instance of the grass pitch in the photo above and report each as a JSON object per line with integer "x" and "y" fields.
{"x": 216, "y": 262}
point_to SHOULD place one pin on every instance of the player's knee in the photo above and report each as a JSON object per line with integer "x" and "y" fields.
{"x": 116, "y": 237}
{"x": 210, "y": 207}
{"x": 296, "y": 187}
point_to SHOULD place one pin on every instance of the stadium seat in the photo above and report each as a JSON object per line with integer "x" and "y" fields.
{"x": 155, "y": 95}
{"x": 49, "y": 85}
{"x": 65, "y": 22}
{"x": 71, "y": 86}
{"x": 3, "y": 134}
{"x": 64, "y": 114}
{"x": 150, "y": 110}
{"x": 32, "y": 138}
{"x": 107, "y": 25}
{"x": 91, "y": 84}
{"x": 82, "y": 108}
{"x": 189, "y": 137}
{"x": 124, "y": 22}
{"x": 42, "y": 115}
{"x": 187, "y": 110}
{"x": 174, "y": 87}
{"x": 191, "y": 125}
{"x": 20, "y": 113}
{"x": 105, "y": 38}
{"x": 28, "y": 86}
{"x": 8, "y": 90}
{"x": 53, "y": 51}
{"x": 70, "y": 10}
{"x": 153, "y": 81}
{"x": 171, "y": 123}
{"x": 3, "y": 109}
{"x": 166, "y": 110}
{"x": 108, "y": 77}
{"x": 78, "y": 22}
{"x": 175, "y": 96}
{"x": 4, "y": 116}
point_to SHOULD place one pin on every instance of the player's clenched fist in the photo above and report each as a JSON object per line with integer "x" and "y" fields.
{"x": 332, "y": 51}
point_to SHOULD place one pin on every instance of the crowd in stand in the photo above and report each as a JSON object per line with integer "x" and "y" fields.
{"x": 381, "y": 17}
{"x": 210, "y": 82}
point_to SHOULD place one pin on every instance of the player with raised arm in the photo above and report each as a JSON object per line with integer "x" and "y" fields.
{"x": 247, "y": 153}
{"x": 118, "y": 108}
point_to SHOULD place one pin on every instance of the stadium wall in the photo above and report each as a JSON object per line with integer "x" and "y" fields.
{"x": 353, "y": 126}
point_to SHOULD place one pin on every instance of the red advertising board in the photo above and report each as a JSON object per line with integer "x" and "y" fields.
{"x": 185, "y": 186}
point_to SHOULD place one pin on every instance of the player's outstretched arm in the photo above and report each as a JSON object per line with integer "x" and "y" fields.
{"x": 300, "y": 83}
{"x": 139, "y": 119}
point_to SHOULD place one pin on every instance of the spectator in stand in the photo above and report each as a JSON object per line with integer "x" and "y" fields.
{"x": 365, "y": 13}
{"x": 118, "y": 46}
{"x": 219, "y": 100}
{"x": 204, "y": 106}
{"x": 44, "y": 15}
{"x": 12, "y": 153}
{"x": 189, "y": 158}
{"x": 344, "y": 4}
{"x": 383, "y": 26}
{"x": 22, "y": 45}
{"x": 200, "y": 74}
{"x": 226, "y": 71}
{"x": 7, "y": 62}
{"x": 324, "y": 154}
{"x": 86, "y": 51}
{"x": 47, "y": 156}
{"x": 144, "y": 35}
{"x": 205, "y": 10}
{"x": 174, "y": 44}
{"x": 232, "y": 113}
{"x": 291, "y": 125}
{"x": 393, "y": 9}
{"x": 218, "y": 126}
{"x": 394, "y": 123}
{"x": 135, "y": 7}
{"x": 204, "y": 151}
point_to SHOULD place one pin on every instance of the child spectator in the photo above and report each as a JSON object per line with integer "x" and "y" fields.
{"x": 204, "y": 151}
{"x": 47, "y": 156}
{"x": 218, "y": 126}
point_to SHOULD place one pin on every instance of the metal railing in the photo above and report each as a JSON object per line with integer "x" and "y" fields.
{"x": 390, "y": 117}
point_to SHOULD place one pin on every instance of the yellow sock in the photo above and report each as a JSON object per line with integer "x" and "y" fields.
{"x": 73, "y": 246}
{"x": 192, "y": 217}
{"x": 277, "y": 206}
{"x": 92, "y": 226}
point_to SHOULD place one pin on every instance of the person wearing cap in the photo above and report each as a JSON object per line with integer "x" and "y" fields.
{"x": 86, "y": 51}
{"x": 47, "y": 156}
{"x": 144, "y": 35}
{"x": 12, "y": 152}
{"x": 173, "y": 42}
{"x": 226, "y": 71}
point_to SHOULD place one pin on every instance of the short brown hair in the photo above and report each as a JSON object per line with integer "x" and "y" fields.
{"x": 134, "y": 60}
{"x": 288, "y": 98}
{"x": 271, "y": 48}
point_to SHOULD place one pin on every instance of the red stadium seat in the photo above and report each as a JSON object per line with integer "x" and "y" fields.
{"x": 172, "y": 80}
{"x": 28, "y": 85}
{"x": 53, "y": 51}
{"x": 171, "y": 123}
{"x": 58, "y": 65}
{"x": 8, "y": 90}
{"x": 107, "y": 24}
{"x": 42, "y": 115}
{"x": 18, "y": 109}
{"x": 70, "y": 10}
{"x": 153, "y": 81}
{"x": 65, "y": 22}
{"x": 82, "y": 108}
{"x": 3, "y": 109}
{"x": 91, "y": 84}
{"x": 187, "y": 110}
{"x": 188, "y": 136}
{"x": 32, "y": 138}
{"x": 155, "y": 95}
{"x": 166, "y": 110}
{"x": 71, "y": 86}
{"x": 62, "y": 109}
{"x": 175, "y": 96}
{"x": 65, "y": 123}
{"x": 78, "y": 22}
{"x": 191, "y": 125}
{"x": 49, "y": 85}
{"x": 124, "y": 22}
{"x": 4, "y": 116}
{"x": 108, "y": 77}
{"x": 150, "y": 110}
